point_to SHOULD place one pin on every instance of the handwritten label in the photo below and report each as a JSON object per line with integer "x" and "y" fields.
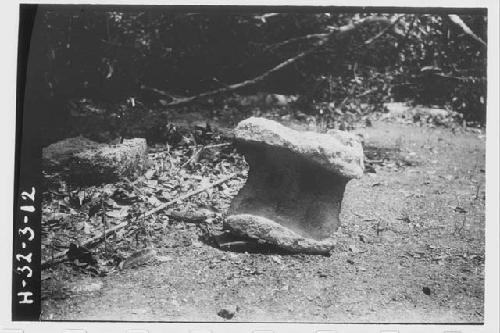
{"x": 26, "y": 235}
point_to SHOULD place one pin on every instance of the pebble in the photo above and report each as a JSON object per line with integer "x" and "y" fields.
{"x": 228, "y": 312}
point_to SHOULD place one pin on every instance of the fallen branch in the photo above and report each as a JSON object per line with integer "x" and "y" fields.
{"x": 190, "y": 194}
{"x": 264, "y": 17}
{"x": 458, "y": 21}
{"x": 61, "y": 256}
{"x": 381, "y": 33}
{"x": 161, "y": 92}
{"x": 189, "y": 216}
{"x": 337, "y": 31}
{"x": 296, "y": 39}
{"x": 196, "y": 154}
{"x": 193, "y": 158}
{"x": 218, "y": 145}
{"x": 242, "y": 245}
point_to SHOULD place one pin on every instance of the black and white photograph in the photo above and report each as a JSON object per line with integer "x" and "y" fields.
{"x": 287, "y": 164}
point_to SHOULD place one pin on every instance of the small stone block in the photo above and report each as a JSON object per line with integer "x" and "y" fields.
{"x": 85, "y": 162}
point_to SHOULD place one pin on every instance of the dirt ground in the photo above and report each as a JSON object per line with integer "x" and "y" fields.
{"x": 411, "y": 250}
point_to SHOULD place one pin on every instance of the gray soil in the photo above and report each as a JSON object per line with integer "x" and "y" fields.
{"x": 410, "y": 249}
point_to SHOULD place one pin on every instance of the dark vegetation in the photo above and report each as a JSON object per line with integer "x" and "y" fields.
{"x": 122, "y": 71}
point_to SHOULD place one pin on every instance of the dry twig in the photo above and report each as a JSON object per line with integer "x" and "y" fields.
{"x": 61, "y": 256}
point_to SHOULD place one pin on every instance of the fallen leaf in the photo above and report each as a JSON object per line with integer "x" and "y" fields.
{"x": 81, "y": 197}
{"x": 119, "y": 213}
{"x": 163, "y": 258}
{"x": 276, "y": 259}
{"x": 140, "y": 257}
{"x": 87, "y": 228}
{"x": 88, "y": 287}
{"x": 150, "y": 173}
{"x": 154, "y": 201}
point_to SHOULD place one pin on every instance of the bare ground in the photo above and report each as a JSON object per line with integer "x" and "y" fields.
{"x": 411, "y": 250}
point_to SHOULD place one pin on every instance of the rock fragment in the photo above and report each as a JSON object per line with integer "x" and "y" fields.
{"x": 85, "y": 162}
{"x": 228, "y": 312}
{"x": 60, "y": 153}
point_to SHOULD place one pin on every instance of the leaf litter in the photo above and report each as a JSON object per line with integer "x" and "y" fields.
{"x": 378, "y": 258}
{"x": 72, "y": 216}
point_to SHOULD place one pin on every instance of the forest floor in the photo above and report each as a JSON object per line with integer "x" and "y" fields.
{"x": 411, "y": 250}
